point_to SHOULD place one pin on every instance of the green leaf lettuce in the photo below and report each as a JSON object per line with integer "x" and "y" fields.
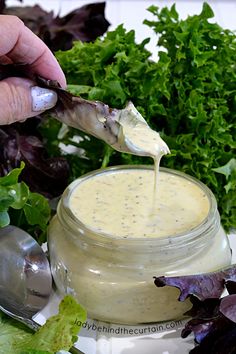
{"x": 59, "y": 331}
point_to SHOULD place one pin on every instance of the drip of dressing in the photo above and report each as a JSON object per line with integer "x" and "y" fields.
{"x": 141, "y": 140}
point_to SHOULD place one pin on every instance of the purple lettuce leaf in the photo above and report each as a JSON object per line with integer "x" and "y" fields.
{"x": 221, "y": 341}
{"x": 213, "y": 317}
{"x": 203, "y": 286}
{"x": 212, "y": 323}
{"x": 228, "y": 307}
{"x": 206, "y": 318}
{"x": 85, "y": 23}
{"x": 45, "y": 175}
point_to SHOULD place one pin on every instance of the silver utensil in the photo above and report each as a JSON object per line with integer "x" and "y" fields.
{"x": 25, "y": 277}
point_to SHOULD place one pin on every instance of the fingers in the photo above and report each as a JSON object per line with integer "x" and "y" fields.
{"x": 21, "y": 99}
{"x": 19, "y": 45}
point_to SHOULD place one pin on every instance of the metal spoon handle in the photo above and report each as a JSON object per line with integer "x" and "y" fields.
{"x": 30, "y": 323}
{"x": 27, "y": 321}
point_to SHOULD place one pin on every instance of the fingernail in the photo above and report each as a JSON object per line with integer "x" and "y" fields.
{"x": 42, "y": 98}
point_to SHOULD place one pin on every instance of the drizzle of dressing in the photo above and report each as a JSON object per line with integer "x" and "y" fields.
{"x": 139, "y": 138}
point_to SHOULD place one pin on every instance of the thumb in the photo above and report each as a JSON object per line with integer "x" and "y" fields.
{"x": 21, "y": 99}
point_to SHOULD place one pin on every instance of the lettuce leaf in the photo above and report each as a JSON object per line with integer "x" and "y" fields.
{"x": 44, "y": 175}
{"x": 59, "y": 331}
{"x": 22, "y": 208}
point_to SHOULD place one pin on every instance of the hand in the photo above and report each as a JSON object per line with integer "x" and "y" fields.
{"x": 20, "y": 98}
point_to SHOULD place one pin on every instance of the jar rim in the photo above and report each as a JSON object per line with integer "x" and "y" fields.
{"x": 104, "y": 238}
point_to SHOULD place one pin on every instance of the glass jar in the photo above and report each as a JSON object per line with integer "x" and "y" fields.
{"x": 112, "y": 277}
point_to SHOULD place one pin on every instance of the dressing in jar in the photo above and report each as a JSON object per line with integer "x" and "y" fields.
{"x": 112, "y": 235}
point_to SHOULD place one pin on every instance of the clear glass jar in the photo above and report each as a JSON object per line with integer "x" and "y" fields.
{"x": 113, "y": 277}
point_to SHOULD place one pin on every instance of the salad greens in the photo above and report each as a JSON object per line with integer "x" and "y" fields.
{"x": 58, "y": 333}
{"x": 188, "y": 94}
{"x": 21, "y": 207}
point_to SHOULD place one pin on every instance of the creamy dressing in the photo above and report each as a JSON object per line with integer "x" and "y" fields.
{"x": 149, "y": 143}
{"x": 120, "y": 204}
{"x": 140, "y": 139}
{"x": 137, "y": 136}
